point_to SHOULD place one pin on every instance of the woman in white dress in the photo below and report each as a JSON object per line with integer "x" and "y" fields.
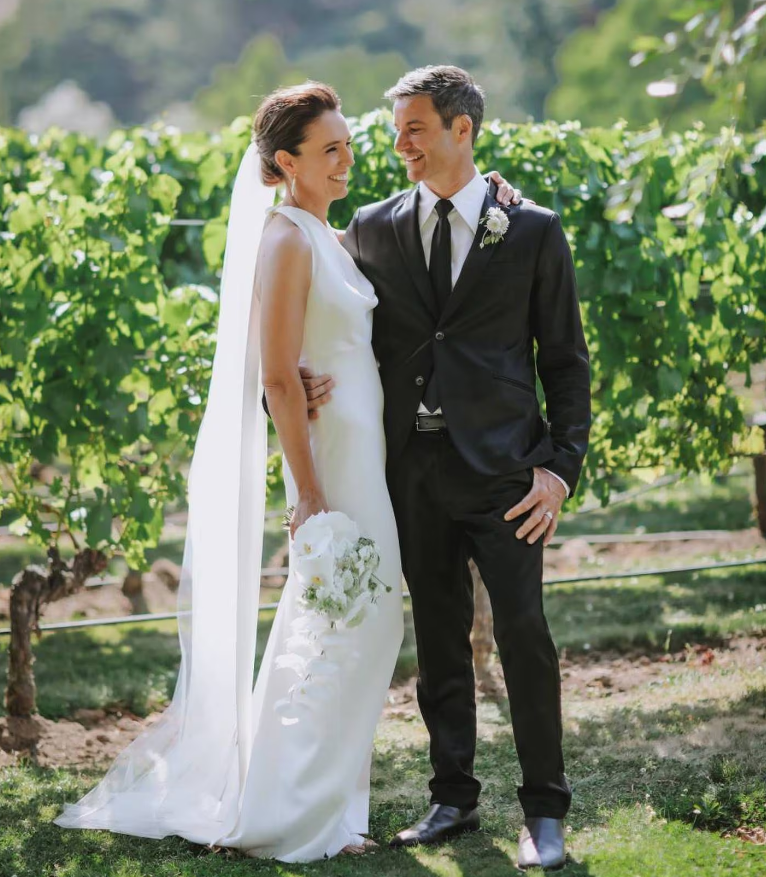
{"x": 222, "y": 766}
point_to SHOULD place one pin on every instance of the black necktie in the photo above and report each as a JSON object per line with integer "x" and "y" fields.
{"x": 440, "y": 263}
{"x": 440, "y": 269}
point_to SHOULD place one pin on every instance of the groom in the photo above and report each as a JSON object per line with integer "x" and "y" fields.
{"x": 466, "y": 322}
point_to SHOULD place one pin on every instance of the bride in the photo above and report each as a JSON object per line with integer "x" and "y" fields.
{"x": 222, "y": 765}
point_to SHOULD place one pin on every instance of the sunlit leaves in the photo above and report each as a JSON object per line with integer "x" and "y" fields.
{"x": 107, "y": 317}
{"x": 214, "y": 241}
{"x": 83, "y": 342}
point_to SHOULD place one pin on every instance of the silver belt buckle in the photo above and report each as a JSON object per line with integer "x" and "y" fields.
{"x": 419, "y": 428}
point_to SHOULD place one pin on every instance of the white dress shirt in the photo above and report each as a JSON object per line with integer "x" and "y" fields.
{"x": 464, "y": 223}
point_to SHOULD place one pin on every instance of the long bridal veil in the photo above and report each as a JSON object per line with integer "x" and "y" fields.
{"x": 185, "y": 773}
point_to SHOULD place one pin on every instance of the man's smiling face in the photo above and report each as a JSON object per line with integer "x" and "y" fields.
{"x": 427, "y": 147}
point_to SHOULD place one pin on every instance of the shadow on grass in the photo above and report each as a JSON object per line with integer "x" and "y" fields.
{"x": 134, "y": 669}
{"x": 38, "y": 795}
{"x": 612, "y": 760}
{"x": 704, "y": 764}
{"x": 714, "y": 780}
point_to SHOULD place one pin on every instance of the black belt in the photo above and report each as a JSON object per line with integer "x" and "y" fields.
{"x": 430, "y": 423}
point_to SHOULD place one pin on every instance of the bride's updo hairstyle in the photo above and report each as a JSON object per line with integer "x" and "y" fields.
{"x": 282, "y": 121}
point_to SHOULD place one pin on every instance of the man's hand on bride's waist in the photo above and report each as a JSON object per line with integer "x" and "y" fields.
{"x": 318, "y": 390}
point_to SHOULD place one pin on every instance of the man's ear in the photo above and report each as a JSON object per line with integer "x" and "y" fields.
{"x": 463, "y": 126}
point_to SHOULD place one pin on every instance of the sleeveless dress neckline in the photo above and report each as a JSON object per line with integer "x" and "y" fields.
{"x": 359, "y": 282}
{"x": 277, "y": 207}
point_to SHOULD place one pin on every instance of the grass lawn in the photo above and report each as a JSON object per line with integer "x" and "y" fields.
{"x": 694, "y": 503}
{"x": 664, "y": 718}
{"x": 662, "y": 762}
{"x": 661, "y": 766}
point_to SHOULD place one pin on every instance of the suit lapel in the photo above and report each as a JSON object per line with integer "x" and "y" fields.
{"x": 476, "y": 261}
{"x": 407, "y": 231}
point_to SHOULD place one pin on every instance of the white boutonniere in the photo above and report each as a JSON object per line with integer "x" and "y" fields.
{"x": 496, "y": 224}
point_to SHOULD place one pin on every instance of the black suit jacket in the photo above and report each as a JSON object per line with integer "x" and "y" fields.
{"x": 481, "y": 347}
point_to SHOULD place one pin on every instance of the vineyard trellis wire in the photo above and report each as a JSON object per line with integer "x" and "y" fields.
{"x": 566, "y": 580}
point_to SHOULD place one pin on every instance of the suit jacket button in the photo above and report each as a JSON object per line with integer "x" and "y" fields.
{"x": 420, "y": 380}
{"x": 439, "y": 336}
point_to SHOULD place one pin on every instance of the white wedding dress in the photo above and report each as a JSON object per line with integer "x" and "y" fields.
{"x": 308, "y": 787}
{"x": 296, "y": 791}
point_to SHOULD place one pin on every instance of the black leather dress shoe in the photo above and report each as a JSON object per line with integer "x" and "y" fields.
{"x": 439, "y": 824}
{"x": 541, "y": 844}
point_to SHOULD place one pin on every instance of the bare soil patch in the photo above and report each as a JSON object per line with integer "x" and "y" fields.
{"x": 93, "y": 738}
{"x": 602, "y": 675}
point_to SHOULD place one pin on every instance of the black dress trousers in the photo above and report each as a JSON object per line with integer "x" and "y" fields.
{"x": 447, "y": 513}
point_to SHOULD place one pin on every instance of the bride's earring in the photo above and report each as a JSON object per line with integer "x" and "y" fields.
{"x": 292, "y": 185}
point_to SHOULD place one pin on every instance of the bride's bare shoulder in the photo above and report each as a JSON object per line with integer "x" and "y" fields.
{"x": 284, "y": 240}
{"x": 284, "y": 235}
{"x": 285, "y": 251}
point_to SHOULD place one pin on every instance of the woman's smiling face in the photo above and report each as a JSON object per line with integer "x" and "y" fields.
{"x": 323, "y": 160}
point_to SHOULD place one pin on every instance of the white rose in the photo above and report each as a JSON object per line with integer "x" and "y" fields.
{"x": 497, "y": 221}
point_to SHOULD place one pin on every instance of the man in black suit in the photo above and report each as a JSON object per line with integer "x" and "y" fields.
{"x": 465, "y": 323}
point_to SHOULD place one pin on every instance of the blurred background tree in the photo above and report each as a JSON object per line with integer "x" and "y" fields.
{"x": 605, "y": 71}
{"x": 264, "y": 62}
{"x": 509, "y": 47}
{"x": 144, "y": 58}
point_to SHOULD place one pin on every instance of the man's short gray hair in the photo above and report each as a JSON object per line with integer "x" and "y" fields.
{"x": 452, "y": 90}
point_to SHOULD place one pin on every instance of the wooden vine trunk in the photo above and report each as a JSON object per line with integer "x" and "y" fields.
{"x": 133, "y": 589}
{"x": 482, "y": 636}
{"x": 759, "y": 463}
{"x": 25, "y": 591}
{"x": 168, "y": 573}
{"x": 30, "y": 591}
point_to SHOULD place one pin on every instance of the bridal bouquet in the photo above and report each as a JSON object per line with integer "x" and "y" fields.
{"x": 334, "y": 567}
